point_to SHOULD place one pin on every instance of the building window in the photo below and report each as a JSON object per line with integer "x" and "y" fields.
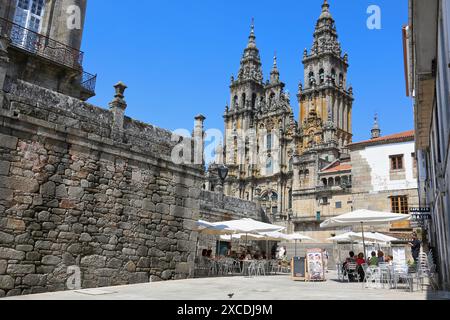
{"x": 339, "y": 205}
{"x": 399, "y": 204}
{"x": 290, "y": 200}
{"x": 414, "y": 159}
{"x": 269, "y": 167}
{"x": 322, "y": 76}
{"x": 311, "y": 78}
{"x": 397, "y": 162}
{"x": 269, "y": 142}
{"x": 29, "y": 14}
{"x": 318, "y": 216}
{"x": 325, "y": 201}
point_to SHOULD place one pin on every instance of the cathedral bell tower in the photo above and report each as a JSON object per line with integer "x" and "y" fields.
{"x": 325, "y": 95}
{"x": 247, "y": 92}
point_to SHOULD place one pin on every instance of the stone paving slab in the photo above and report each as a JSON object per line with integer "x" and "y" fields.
{"x": 244, "y": 288}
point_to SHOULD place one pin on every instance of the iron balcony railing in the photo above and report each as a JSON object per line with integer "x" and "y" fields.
{"x": 88, "y": 82}
{"x": 55, "y": 51}
{"x": 41, "y": 45}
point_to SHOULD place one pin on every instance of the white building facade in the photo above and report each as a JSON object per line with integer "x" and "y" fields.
{"x": 384, "y": 174}
{"x": 427, "y": 58}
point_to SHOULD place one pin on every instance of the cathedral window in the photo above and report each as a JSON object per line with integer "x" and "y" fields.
{"x": 322, "y": 76}
{"x": 254, "y": 100}
{"x": 269, "y": 142}
{"x": 235, "y": 102}
{"x": 311, "y": 78}
{"x": 291, "y": 164}
{"x": 290, "y": 199}
{"x": 341, "y": 80}
{"x": 269, "y": 167}
{"x": 333, "y": 75}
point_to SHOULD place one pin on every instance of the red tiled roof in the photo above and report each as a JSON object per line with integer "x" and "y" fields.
{"x": 341, "y": 167}
{"x": 398, "y": 137}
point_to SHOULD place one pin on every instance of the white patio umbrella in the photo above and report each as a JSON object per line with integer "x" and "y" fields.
{"x": 243, "y": 226}
{"x": 209, "y": 228}
{"x": 364, "y": 217}
{"x": 386, "y": 238}
{"x": 248, "y": 226}
{"x": 375, "y": 237}
{"x": 298, "y": 237}
{"x": 343, "y": 237}
{"x": 239, "y": 236}
{"x": 273, "y": 236}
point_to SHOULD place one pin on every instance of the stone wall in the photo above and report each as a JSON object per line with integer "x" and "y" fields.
{"x": 70, "y": 195}
{"x": 217, "y": 207}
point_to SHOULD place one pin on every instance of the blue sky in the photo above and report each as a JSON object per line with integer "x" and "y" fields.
{"x": 177, "y": 56}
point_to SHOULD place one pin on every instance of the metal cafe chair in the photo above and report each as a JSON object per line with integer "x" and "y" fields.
{"x": 352, "y": 271}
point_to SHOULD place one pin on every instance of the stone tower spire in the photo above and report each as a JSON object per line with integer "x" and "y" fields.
{"x": 376, "y": 131}
{"x": 325, "y": 88}
{"x": 275, "y": 74}
{"x": 325, "y": 35}
{"x": 251, "y": 67}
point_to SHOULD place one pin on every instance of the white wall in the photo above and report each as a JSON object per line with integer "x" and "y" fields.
{"x": 379, "y": 162}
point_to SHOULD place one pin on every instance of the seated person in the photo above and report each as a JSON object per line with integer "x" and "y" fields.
{"x": 380, "y": 256}
{"x": 263, "y": 256}
{"x": 373, "y": 261}
{"x": 390, "y": 260}
{"x": 248, "y": 256}
{"x": 351, "y": 258}
{"x": 242, "y": 256}
{"x": 360, "y": 261}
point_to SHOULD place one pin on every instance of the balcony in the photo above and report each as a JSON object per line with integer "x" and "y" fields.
{"x": 39, "y": 45}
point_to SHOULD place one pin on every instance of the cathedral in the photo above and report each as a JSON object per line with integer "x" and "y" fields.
{"x": 293, "y": 168}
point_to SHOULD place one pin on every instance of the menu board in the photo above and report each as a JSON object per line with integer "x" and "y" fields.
{"x": 298, "y": 268}
{"x": 399, "y": 254}
{"x": 315, "y": 265}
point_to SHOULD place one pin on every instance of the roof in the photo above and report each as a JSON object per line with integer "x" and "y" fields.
{"x": 337, "y": 166}
{"x": 393, "y": 138}
{"x": 341, "y": 167}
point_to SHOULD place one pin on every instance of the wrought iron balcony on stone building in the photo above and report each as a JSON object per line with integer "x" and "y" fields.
{"x": 47, "y": 48}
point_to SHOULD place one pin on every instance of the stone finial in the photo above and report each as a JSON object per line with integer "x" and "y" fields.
{"x": 252, "y": 37}
{"x": 119, "y": 101}
{"x": 199, "y": 135}
{"x": 120, "y": 90}
{"x": 346, "y": 57}
{"x": 200, "y": 118}
{"x": 117, "y": 107}
{"x": 350, "y": 90}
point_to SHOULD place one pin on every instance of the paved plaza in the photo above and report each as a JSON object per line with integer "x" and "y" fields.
{"x": 243, "y": 288}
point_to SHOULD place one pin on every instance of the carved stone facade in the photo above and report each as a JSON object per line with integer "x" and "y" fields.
{"x": 272, "y": 157}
